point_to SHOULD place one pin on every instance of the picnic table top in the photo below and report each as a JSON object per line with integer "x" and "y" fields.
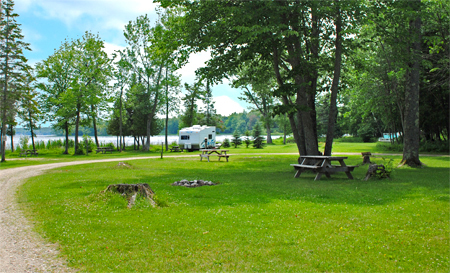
{"x": 324, "y": 157}
{"x": 213, "y": 150}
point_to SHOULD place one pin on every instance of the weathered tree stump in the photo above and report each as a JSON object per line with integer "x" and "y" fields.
{"x": 366, "y": 156}
{"x": 375, "y": 169}
{"x": 132, "y": 190}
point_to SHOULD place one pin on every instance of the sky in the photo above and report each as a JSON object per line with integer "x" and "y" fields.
{"x": 47, "y": 23}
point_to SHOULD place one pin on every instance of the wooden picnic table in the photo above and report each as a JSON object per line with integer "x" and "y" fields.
{"x": 28, "y": 152}
{"x": 104, "y": 150}
{"x": 175, "y": 149}
{"x": 213, "y": 152}
{"x": 322, "y": 165}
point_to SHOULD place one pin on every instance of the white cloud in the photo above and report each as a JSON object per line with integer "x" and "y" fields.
{"x": 93, "y": 14}
{"x": 111, "y": 48}
{"x": 195, "y": 61}
{"x": 226, "y": 106}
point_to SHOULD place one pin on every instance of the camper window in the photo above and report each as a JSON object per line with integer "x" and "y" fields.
{"x": 209, "y": 136}
{"x": 185, "y": 137}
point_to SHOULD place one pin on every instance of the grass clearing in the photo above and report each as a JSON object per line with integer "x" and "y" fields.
{"x": 259, "y": 218}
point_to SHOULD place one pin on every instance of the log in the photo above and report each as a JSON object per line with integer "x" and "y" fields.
{"x": 132, "y": 190}
{"x": 375, "y": 169}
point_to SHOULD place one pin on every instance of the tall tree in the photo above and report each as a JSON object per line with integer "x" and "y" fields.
{"x": 12, "y": 63}
{"x": 194, "y": 92}
{"x": 291, "y": 35}
{"x": 336, "y": 77}
{"x": 139, "y": 36}
{"x": 257, "y": 82}
{"x": 57, "y": 75}
{"x": 29, "y": 112}
{"x": 92, "y": 70}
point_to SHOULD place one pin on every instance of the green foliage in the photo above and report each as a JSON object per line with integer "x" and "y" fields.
{"x": 226, "y": 143}
{"x": 23, "y": 142}
{"x": 388, "y": 164}
{"x": 366, "y": 132}
{"x": 258, "y": 140}
{"x": 236, "y": 140}
{"x": 247, "y": 140}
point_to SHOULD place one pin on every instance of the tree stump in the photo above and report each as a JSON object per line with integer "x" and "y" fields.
{"x": 132, "y": 190}
{"x": 366, "y": 156}
{"x": 375, "y": 169}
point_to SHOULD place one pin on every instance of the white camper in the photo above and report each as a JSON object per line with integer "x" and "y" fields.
{"x": 193, "y": 138}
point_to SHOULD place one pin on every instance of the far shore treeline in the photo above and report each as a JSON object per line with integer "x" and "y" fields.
{"x": 316, "y": 70}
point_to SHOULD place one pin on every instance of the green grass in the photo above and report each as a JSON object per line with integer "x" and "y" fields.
{"x": 258, "y": 218}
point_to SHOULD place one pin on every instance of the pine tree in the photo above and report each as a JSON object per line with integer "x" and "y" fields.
{"x": 247, "y": 140}
{"x": 257, "y": 138}
{"x": 12, "y": 63}
{"x": 236, "y": 139}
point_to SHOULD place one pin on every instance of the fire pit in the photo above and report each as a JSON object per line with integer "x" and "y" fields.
{"x": 193, "y": 183}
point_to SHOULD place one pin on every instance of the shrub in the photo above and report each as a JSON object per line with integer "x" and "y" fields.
{"x": 257, "y": 138}
{"x": 247, "y": 139}
{"x": 226, "y": 143}
{"x": 23, "y": 142}
{"x": 236, "y": 139}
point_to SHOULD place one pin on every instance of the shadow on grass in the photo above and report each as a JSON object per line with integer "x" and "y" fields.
{"x": 263, "y": 180}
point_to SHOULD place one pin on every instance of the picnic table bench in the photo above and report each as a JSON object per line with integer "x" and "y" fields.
{"x": 28, "y": 152}
{"x": 176, "y": 149}
{"x": 104, "y": 150}
{"x": 322, "y": 165}
{"x": 213, "y": 152}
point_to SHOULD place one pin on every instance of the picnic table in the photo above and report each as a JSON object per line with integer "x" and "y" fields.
{"x": 322, "y": 165}
{"x": 28, "y": 152}
{"x": 175, "y": 149}
{"x": 213, "y": 152}
{"x": 104, "y": 150}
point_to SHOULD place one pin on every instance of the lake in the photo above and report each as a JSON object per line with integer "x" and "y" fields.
{"x": 109, "y": 139}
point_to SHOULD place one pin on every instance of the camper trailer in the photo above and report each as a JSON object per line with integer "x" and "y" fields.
{"x": 194, "y": 138}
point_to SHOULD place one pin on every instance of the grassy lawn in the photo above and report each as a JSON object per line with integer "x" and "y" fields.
{"x": 258, "y": 218}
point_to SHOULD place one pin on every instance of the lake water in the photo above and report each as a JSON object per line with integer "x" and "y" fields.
{"x": 109, "y": 139}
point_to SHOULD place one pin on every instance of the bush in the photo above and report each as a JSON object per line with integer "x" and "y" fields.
{"x": 23, "y": 142}
{"x": 236, "y": 139}
{"x": 258, "y": 140}
{"x": 226, "y": 143}
{"x": 247, "y": 140}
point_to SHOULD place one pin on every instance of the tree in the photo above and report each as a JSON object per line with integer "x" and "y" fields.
{"x": 194, "y": 92}
{"x": 147, "y": 67}
{"x": 29, "y": 112}
{"x": 56, "y": 96}
{"x": 257, "y": 84}
{"x": 257, "y": 138}
{"x": 411, "y": 124}
{"x": 287, "y": 35}
{"x": 92, "y": 71}
{"x": 121, "y": 74}
{"x": 236, "y": 140}
{"x": 247, "y": 140}
{"x": 12, "y": 64}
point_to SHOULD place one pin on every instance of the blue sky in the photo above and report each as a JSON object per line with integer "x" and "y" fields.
{"x": 46, "y": 23}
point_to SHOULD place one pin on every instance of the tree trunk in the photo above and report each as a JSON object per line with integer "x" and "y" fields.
{"x": 94, "y": 123}
{"x": 120, "y": 119}
{"x": 31, "y": 129}
{"x": 166, "y": 132}
{"x": 77, "y": 124}
{"x": 411, "y": 136}
{"x": 153, "y": 110}
{"x": 11, "y": 129}
{"x": 66, "y": 151}
{"x": 334, "y": 87}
